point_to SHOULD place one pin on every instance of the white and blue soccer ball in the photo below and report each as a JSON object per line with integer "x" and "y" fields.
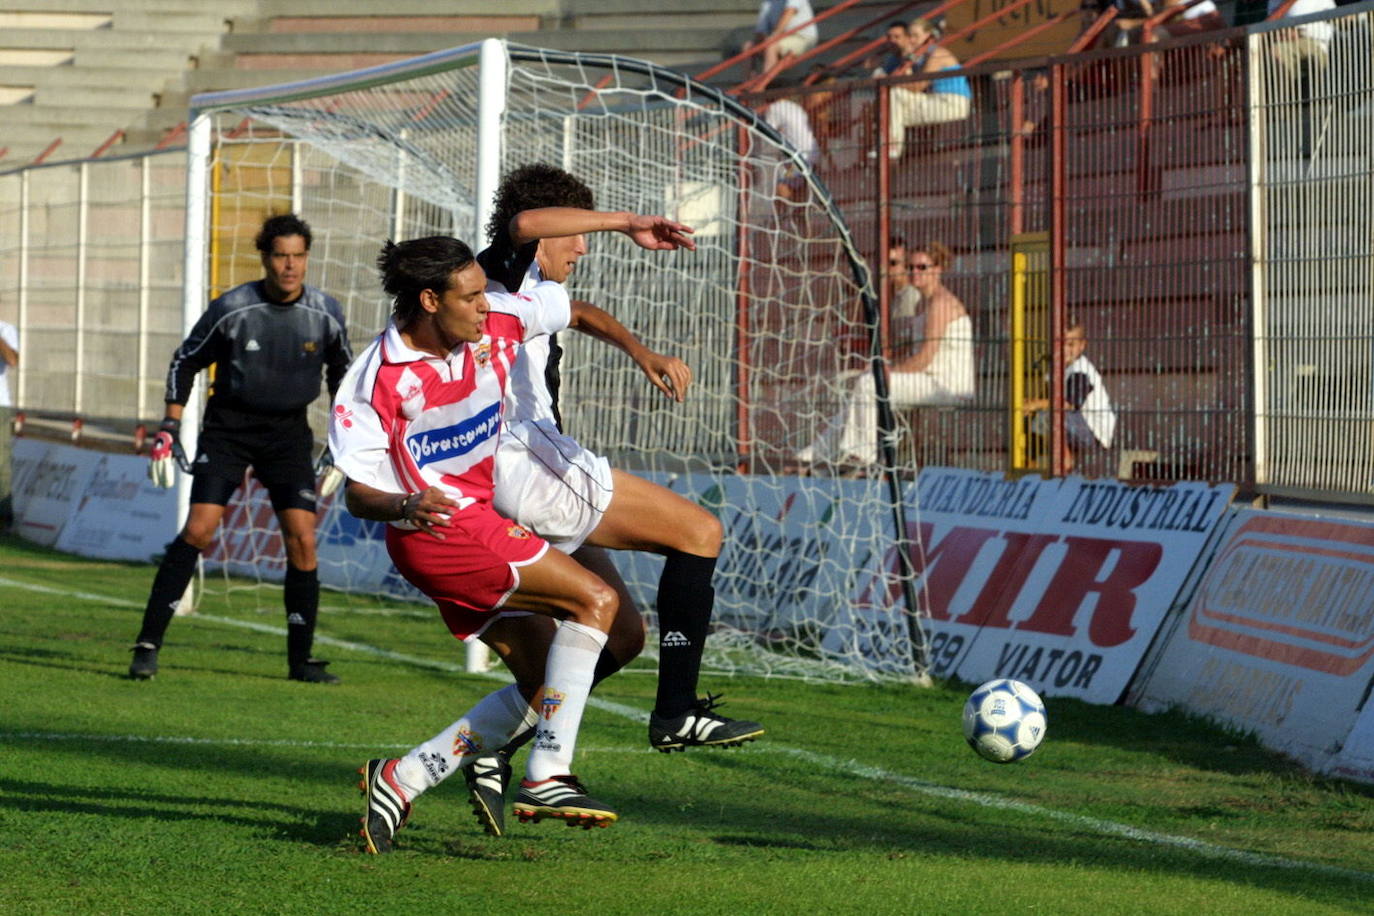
{"x": 1004, "y": 721}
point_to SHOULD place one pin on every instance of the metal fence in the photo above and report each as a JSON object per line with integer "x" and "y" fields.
{"x": 1201, "y": 206}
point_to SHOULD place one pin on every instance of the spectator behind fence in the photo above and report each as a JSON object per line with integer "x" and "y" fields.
{"x": 777, "y": 17}
{"x": 1124, "y": 29}
{"x": 904, "y": 301}
{"x": 9, "y": 358}
{"x": 1201, "y": 16}
{"x": 1307, "y": 43}
{"x": 1089, "y": 417}
{"x": 792, "y": 120}
{"x": 933, "y": 101}
{"x": 898, "y": 48}
{"x": 940, "y": 372}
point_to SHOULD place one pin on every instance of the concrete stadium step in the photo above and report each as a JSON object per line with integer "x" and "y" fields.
{"x": 162, "y": 21}
{"x": 630, "y": 14}
{"x": 172, "y": 62}
{"x": 28, "y": 140}
{"x": 331, "y": 8}
{"x": 226, "y": 7}
{"x": 49, "y": 115}
{"x": 489, "y": 24}
{"x": 77, "y": 77}
{"x": 104, "y": 39}
{"x": 107, "y": 97}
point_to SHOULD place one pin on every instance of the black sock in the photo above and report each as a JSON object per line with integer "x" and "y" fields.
{"x": 606, "y": 665}
{"x": 685, "y": 602}
{"x": 301, "y": 595}
{"x": 178, "y": 566}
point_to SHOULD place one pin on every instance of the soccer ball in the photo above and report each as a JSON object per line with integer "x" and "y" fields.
{"x": 1004, "y": 721}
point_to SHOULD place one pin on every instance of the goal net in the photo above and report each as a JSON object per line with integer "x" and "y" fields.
{"x": 773, "y": 312}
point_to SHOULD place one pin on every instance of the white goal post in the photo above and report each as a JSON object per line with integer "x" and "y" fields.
{"x": 775, "y": 312}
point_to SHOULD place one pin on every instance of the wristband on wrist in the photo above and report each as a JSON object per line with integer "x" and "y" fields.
{"x": 405, "y": 505}
{"x": 170, "y": 425}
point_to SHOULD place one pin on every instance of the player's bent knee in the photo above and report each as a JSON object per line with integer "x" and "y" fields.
{"x": 706, "y": 534}
{"x": 596, "y": 607}
{"x": 198, "y": 536}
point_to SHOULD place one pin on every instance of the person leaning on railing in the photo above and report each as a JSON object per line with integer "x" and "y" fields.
{"x": 932, "y": 101}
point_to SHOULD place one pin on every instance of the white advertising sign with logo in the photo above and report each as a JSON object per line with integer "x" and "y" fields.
{"x": 1279, "y": 640}
{"x": 48, "y": 480}
{"x": 1058, "y": 583}
{"x": 90, "y": 503}
{"x": 120, "y": 515}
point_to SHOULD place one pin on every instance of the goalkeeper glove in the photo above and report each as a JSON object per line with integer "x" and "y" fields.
{"x": 328, "y": 473}
{"x": 165, "y": 451}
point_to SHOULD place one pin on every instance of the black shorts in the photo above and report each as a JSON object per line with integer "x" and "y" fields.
{"x": 278, "y": 448}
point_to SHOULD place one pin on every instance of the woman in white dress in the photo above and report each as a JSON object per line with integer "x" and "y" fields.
{"x": 940, "y": 372}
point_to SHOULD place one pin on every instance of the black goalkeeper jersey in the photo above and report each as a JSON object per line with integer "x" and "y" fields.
{"x": 269, "y": 356}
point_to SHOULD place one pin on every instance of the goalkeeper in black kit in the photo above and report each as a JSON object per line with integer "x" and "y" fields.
{"x": 270, "y": 341}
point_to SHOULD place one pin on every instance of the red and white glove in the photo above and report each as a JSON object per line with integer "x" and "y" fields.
{"x": 166, "y": 455}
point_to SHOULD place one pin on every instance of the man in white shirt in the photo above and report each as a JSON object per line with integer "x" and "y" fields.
{"x": 9, "y": 358}
{"x": 778, "y": 17}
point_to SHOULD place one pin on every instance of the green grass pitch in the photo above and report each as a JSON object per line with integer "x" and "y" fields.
{"x": 222, "y": 787}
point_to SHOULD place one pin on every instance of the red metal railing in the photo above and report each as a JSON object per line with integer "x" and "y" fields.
{"x": 1147, "y": 244}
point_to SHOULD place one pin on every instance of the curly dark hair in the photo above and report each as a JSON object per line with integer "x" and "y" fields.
{"x": 416, "y": 265}
{"x": 533, "y": 186}
{"x": 274, "y": 227}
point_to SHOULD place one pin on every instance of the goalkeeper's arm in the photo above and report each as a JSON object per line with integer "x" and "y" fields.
{"x": 167, "y": 455}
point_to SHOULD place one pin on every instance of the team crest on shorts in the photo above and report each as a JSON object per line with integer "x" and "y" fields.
{"x": 550, "y": 702}
{"x": 482, "y": 354}
{"x": 466, "y": 741}
{"x": 308, "y": 346}
{"x": 519, "y": 532}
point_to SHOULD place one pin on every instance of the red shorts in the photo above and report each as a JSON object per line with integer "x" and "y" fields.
{"x": 472, "y": 571}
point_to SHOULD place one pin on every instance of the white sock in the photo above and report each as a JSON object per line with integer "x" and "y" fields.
{"x": 567, "y": 681}
{"x": 485, "y": 728}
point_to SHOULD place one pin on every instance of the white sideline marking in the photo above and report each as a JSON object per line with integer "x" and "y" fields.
{"x": 1210, "y": 850}
{"x": 834, "y": 764}
{"x": 245, "y": 742}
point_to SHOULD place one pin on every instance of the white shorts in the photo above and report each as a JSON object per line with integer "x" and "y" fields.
{"x": 549, "y": 483}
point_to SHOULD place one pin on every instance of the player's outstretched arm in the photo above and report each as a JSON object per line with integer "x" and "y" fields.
{"x": 666, "y": 373}
{"x": 654, "y": 233}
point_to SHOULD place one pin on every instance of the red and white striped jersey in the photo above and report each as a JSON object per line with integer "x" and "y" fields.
{"x": 405, "y": 420}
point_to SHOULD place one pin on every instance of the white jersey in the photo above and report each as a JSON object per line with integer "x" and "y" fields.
{"x": 1096, "y": 410}
{"x": 544, "y": 479}
{"x": 527, "y": 396}
{"x": 404, "y": 420}
{"x": 10, "y": 335}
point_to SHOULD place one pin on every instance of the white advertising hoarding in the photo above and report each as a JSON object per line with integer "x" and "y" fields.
{"x": 1058, "y": 583}
{"x": 1279, "y": 640}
